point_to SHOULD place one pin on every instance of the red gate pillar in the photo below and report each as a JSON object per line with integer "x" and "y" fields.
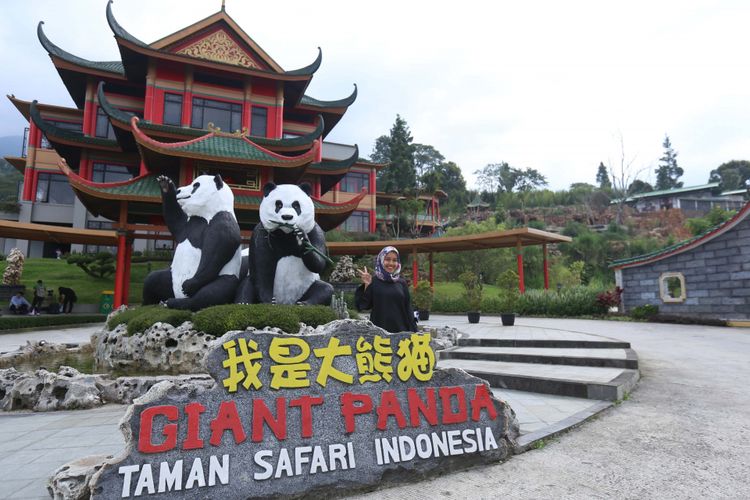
{"x": 519, "y": 258}
{"x": 126, "y": 281}
{"x": 546, "y": 266}
{"x": 120, "y": 269}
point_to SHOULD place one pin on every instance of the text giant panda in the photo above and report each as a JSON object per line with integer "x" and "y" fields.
{"x": 282, "y": 267}
{"x": 206, "y": 264}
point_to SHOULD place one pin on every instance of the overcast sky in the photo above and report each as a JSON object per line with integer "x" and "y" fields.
{"x": 549, "y": 85}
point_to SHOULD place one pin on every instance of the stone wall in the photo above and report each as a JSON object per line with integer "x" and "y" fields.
{"x": 717, "y": 278}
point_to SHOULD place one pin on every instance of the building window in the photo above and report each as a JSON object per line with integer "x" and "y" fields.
{"x": 172, "y": 109}
{"x": 259, "y": 121}
{"x": 358, "y": 222}
{"x": 95, "y": 224}
{"x": 75, "y": 127}
{"x": 107, "y": 172}
{"x": 54, "y": 188}
{"x": 103, "y": 125}
{"x": 672, "y": 287}
{"x": 353, "y": 182}
{"x": 225, "y": 115}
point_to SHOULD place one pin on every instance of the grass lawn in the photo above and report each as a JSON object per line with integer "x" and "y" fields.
{"x": 56, "y": 273}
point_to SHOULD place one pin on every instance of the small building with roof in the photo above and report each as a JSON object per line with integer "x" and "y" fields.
{"x": 705, "y": 276}
{"x": 693, "y": 201}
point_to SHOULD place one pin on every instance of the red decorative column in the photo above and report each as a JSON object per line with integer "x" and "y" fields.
{"x": 546, "y": 266}
{"x": 120, "y": 269}
{"x": 126, "y": 280}
{"x": 519, "y": 258}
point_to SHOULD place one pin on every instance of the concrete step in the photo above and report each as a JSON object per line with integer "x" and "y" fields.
{"x": 609, "y": 384}
{"x": 611, "y": 358}
{"x": 532, "y": 342}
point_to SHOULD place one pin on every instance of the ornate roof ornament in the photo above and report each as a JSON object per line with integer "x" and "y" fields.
{"x": 219, "y": 47}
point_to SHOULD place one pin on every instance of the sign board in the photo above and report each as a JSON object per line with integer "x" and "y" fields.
{"x": 336, "y": 412}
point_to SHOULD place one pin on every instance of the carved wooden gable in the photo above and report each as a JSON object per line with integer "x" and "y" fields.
{"x": 220, "y": 47}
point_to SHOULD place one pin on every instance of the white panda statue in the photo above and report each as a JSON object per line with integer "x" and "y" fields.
{"x": 282, "y": 267}
{"x": 206, "y": 264}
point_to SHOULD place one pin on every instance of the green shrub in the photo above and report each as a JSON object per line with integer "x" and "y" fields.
{"x": 315, "y": 315}
{"x": 423, "y": 296}
{"x": 646, "y": 311}
{"x": 218, "y": 320}
{"x": 124, "y": 317}
{"x": 15, "y": 322}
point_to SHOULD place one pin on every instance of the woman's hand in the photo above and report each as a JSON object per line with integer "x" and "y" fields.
{"x": 365, "y": 276}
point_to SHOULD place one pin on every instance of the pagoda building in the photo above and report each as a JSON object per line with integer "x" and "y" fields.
{"x": 205, "y": 99}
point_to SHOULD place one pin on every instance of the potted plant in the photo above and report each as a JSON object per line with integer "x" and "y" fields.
{"x": 509, "y": 296}
{"x": 473, "y": 295}
{"x": 423, "y": 296}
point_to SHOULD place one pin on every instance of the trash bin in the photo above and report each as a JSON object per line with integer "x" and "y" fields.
{"x": 106, "y": 301}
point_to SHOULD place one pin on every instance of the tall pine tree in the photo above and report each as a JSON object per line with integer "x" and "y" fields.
{"x": 397, "y": 149}
{"x": 602, "y": 177}
{"x": 668, "y": 173}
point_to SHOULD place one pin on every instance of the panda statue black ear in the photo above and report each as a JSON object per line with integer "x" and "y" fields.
{"x": 219, "y": 182}
{"x": 270, "y": 186}
{"x": 307, "y": 188}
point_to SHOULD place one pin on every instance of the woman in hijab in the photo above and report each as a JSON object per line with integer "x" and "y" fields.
{"x": 387, "y": 295}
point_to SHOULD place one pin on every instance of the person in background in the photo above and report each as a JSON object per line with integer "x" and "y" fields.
{"x": 19, "y": 304}
{"x": 387, "y": 295}
{"x": 40, "y": 292}
{"x": 67, "y": 299}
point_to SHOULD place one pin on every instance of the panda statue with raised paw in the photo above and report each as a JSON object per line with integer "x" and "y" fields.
{"x": 287, "y": 251}
{"x": 206, "y": 264}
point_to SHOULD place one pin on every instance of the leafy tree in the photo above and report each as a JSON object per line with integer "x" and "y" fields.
{"x": 426, "y": 160}
{"x": 99, "y": 265}
{"x": 447, "y": 176}
{"x": 396, "y": 149}
{"x": 732, "y": 175}
{"x": 507, "y": 179}
{"x": 668, "y": 171}
{"x": 602, "y": 177}
{"x": 639, "y": 186}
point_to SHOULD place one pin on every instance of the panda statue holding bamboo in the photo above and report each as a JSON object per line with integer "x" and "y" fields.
{"x": 205, "y": 268}
{"x": 287, "y": 251}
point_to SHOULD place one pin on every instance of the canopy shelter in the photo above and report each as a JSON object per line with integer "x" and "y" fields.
{"x": 514, "y": 238}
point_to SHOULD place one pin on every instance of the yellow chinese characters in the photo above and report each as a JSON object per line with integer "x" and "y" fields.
{"x": 374, "y": 367}
{"x": 289, "y": 364}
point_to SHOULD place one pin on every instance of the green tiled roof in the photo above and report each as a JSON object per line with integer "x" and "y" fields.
{"x": 114, "y": 67}
{"x": 52, "y": 130}
{"x": 310, "y": 68}
{"x": 119, "y": 31}
{"x": 664, "y": 192}
{"x": 341, "y": 103}
{"x": 225, "y": 146}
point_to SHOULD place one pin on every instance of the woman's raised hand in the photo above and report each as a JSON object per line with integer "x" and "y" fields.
{"x": 365, "y": 276}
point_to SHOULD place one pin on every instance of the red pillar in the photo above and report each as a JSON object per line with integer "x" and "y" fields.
{"x": 519, "y": 258}
{"x": 432, "y": 273}
{"x": 414, "y": 269}
{"x": 126, "y": 278}
{"x": 120, "y": 269}
{"x": 546, "y": 266}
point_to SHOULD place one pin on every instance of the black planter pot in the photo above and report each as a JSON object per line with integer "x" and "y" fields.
{"x": 424, "y": 315}
{"x": 508, "y": 319}
{"x": 473, "y": 317}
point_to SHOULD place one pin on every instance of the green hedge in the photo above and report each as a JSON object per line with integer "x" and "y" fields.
{"x": 15, "y": 322}
{"x": 577, "y": 301}
{"x": 218, "y": 320}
